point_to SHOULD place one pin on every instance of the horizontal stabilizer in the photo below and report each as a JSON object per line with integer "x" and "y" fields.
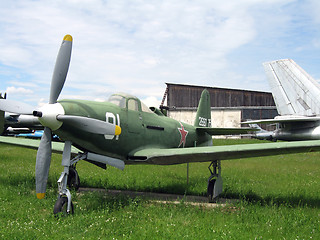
{"x": 225, "y": 131}
{"x": 284, "y": 119}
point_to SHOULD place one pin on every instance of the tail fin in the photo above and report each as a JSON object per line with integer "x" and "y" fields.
{"x": 203, "y": 118}
{"x": 254, "y": 125}
{"x": 294, "y": 90}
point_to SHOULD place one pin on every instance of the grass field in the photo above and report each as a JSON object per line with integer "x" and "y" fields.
{"x": 278, "y": 198}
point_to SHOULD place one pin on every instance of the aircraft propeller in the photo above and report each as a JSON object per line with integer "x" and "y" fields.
{"x": 52, "y": 116}
{"x": 44, "y": 153}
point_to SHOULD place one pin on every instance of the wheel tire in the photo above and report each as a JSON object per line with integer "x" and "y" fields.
{"x": 210, "y": 189}
{"x": 60, "y": 207}
{"x": 73, "y": 179}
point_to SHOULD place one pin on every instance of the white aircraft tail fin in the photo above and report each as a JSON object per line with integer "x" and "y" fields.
{"x": 254, "y": 125}
{"x": 294, "y": 91}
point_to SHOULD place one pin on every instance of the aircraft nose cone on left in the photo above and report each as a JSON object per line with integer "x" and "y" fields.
{"x": 47, "y": 115}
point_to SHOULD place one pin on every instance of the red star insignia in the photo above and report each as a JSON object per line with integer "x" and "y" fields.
{"x": 183, "y": 134}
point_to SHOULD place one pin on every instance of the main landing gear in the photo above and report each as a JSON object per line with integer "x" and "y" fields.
{"x": 69, "y": 177}
{"x": 215, "y": 181}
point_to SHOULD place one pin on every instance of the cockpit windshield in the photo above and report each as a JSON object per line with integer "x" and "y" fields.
{"x": 118, "y": 100}
{"x": 121, "y": 99}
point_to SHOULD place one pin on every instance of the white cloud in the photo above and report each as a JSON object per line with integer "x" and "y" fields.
{"x": 151, "y": 102}
{"x": 18, "y": 91}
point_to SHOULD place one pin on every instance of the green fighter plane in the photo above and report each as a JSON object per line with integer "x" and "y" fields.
{"x": 124, "y": 131}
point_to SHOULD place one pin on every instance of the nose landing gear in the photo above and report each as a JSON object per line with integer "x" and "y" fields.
{"x": 69, "y": 178}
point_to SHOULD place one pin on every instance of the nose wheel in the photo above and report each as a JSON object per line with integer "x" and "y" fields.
{"x": 61, "y": 207}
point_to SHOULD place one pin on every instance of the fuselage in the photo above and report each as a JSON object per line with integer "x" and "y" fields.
{"x": 296, "y": 131}
{"x": 311, "y": 133}
{"x": 140, "y": 128}
{"x": 18, "y": 122}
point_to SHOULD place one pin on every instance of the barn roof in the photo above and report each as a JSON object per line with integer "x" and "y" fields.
{"x": 187, "y": 96}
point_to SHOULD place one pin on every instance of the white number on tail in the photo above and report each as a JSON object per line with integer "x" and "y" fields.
{"x": 203, "y": 122}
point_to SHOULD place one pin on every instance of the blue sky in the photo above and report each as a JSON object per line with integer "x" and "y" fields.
{"x": 137, "y": 46}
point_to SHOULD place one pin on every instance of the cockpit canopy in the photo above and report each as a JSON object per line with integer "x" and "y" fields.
{"x": 128, "y": 101}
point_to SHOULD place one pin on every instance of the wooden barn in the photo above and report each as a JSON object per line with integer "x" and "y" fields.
{"x": 228, "y": 106}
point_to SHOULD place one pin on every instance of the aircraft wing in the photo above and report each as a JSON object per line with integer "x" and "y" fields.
{"x": 225, "y": 131}
{"x": 194, "y": 154}
{"x": 208, "y": 154}
{"x": 57, "y": 147}
{"x": 284, "y": 119}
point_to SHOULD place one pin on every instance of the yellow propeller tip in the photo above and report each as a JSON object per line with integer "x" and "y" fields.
{"x": 67, "y": 38}
{"x": 40, "y": 195}
{"x": 118, "y": 130}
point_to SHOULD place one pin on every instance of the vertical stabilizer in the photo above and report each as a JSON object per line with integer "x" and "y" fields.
{"x": 203, "y": 118}
{"x": 294, "y": 91}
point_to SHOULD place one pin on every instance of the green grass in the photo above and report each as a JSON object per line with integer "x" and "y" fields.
{"x": 278, "y": 198}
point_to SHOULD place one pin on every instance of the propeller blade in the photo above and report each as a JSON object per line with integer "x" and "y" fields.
{"x": 91, "y": 125}
{"x": 61, "y": 69}
{"x": 43, "y": 163}
{"x": 15, "y": 107}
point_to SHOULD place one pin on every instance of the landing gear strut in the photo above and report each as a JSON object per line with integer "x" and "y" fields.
{"x": 215, "y": 181}
{"x": 69, "y": 178}
{"x": 63, "y": 204}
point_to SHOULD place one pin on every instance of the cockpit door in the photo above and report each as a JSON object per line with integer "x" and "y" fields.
{"x": 134, "y": 116}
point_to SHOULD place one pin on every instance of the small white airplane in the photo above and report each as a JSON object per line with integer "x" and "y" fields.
{"x": 297, "y": 97}
{"x": 19, "y": 123}
{"x": 261, "y": 134}
{"x": 13, "y": 123}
